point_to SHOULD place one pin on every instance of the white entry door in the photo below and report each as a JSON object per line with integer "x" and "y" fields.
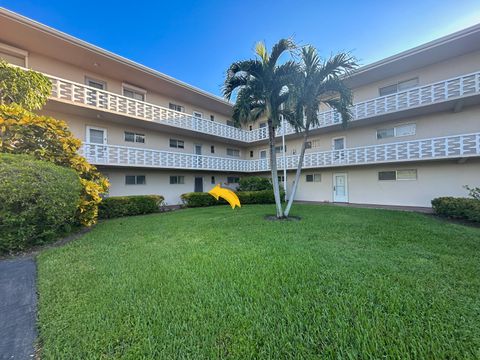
{"x": 340, "y": 188}
{"x": 94, "y": 151}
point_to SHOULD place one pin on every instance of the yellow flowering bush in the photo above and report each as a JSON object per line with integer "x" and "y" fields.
{"x": 46, "y": 138}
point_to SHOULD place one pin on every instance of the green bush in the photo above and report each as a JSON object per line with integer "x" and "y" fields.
{"x": 199, "y": 199}
{"x": 254, "y": 183}
{"x": 38, "y": 201}
{"x": 457, "y": 208}
{"x": 118, "y": 206}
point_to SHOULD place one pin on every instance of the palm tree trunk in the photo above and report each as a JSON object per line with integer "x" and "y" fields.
{"x": 273, "y": 168}
{"x": 297, "y": 174}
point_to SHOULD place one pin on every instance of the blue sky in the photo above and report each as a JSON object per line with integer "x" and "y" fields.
{"x": 195, "y": 41}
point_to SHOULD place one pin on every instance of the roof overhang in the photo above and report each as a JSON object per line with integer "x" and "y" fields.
{"x": 35, "y": 37}
{"x": 450, "y": 46}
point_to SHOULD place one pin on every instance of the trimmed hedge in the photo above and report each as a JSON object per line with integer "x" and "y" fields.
{"x": 38, "y": 201}
{"x": 457, "y": 208}
{"x": 254, "y": 183}
{"x": 118, "y": 206}
{"x": 199, "y": 199}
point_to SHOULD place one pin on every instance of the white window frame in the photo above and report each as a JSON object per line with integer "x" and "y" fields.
{"x": 344, "y": 142}
{"x": 136, "y": 179}
{"x": 178, "y": 178}
{"x": 177, "y": 140}
{"x": 395, "y": 131}
{"x": 135, "y": 134}
{"x": 134, "y": 89}
{"x": 396, "y": 175}
{"x": 180, "y": 107}
{"x": 87, "y": 135}
{"x": 260, "y": 153}
{"x": 396, "y": 84}
{"x": 316, "y": 177}
{"x": 14, "y": 51}
{"x": 89, "y": 78}
{"x": 234, "y": 150}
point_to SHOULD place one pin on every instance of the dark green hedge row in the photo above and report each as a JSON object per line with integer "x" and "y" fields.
{"x": 38, "y": 201}
{"x": 198, "y": 199}
{"x": 118, "y": 206}
{"x": 457, "y": 208}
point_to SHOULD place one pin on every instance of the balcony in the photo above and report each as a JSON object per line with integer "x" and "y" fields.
{"x": 448, "y": 147}
{"x": 439, "y": 92}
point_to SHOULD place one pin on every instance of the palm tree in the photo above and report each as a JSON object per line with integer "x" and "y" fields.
{"x": 317, "y": 82}
{"x": 262, "y": 86}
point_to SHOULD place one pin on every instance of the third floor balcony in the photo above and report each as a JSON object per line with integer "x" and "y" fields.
{"x": 436, "y": 94}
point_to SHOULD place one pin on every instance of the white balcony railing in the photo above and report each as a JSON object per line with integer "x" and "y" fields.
{"x": 69, "y": 91}
{"x": 455, "y": 146}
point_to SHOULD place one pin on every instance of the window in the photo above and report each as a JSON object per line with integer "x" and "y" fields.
{"x": 279, "y": 149}
{"x": 177, "y": 179}
{"x": 313, "y": 178}
{"x": 263, "y": 124}
{"x": 212, "y": 117}
{"x": 251, "y": 153}
{"x": 281, "y": 178}
{"x": 397, "y": 131}
{"x": 212, "y": 180}
{"x": 407, "y": 174}
{"x": 97, "y": 84}
{"x": 233, "y": 180}
{"x": 175, "y": 143}
{"x": 198, "y": 114}
{"x": 176, "y": 107}
{"x": 135, "y": 180}
{"x": 134, "y": 92}
{"x": 134, "y": 137}
{"x": 339, "y": 143}
{"x": 233, "y": 152}
{"x": 308, "y": 145}
{"x": 212, "y": 149}
{"x": 230, "y": 123}
{"x": 400, "y": 86}
{"x": 13, "y": 55}
{"x": 263, "y": 154}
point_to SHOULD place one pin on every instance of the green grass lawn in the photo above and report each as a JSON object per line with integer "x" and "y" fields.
{"x": 207, "y": 283}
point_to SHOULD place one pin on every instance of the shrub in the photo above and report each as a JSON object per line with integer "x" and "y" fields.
{"x": 473, "y": 192}
{"x": 199, "y": 199}
{"x": 118, "y": 206}
{"x": 254, "y": 183}
{"x": 45, "y": 138}
{"x": 457, "y": 208}
{"x": 38, "y": 201}
{"x": 27, "y": 88}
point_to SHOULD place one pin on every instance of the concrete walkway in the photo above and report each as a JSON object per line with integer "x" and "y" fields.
{"x": 18, "y": 303}
{"x": 426, "y": 210}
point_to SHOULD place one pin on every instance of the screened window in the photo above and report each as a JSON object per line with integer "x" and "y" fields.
{"x": 176, "y": 107}
{"x": 97, "y": 84}
{"x": 263, "y": 154}
{"x": 198, "y": 114}
{"x": 409, "y": 174}
{"x": 134, "y": 137}
{"x": 233, "y": 152}
{"x": 263, "y": 124}
{"x": 178, "y": 144}
{"x": 279, "y": 149}
{"x": 387, "y": 175}
{"x": 308, "y": 145}
{"x": 177, "y": 179}
{"x": 134, "y": 94}
{"x": 313, "y": 178}
{"x": 230, "y": 123}
{"x": 397, "y": 131}
{"x": 135, "y": 180}
{"x": 233, "y": 180}
{"x": 400, "y": 86}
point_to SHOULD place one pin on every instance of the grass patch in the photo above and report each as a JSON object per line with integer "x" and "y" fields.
{"x": 215, "y": 283}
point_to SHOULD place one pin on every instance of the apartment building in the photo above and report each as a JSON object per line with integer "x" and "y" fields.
{"x": 415, "y": 134}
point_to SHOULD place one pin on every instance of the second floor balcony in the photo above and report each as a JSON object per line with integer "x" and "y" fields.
{"x": 448, "y": 147}
{"x": 461, "y": 87}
